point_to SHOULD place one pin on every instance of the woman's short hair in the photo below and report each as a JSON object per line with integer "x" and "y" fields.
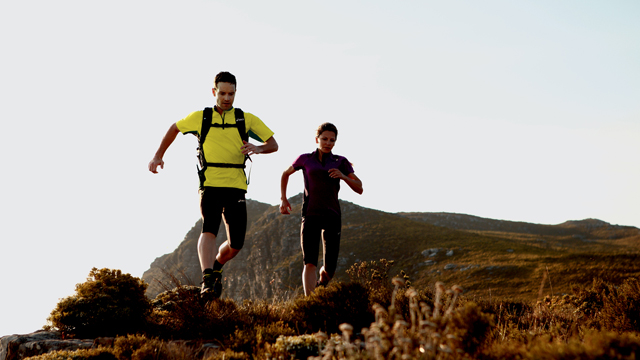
{"x": 327, "y": 127}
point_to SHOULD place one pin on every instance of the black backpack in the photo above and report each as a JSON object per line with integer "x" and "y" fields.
{"x": 206, "y": 125}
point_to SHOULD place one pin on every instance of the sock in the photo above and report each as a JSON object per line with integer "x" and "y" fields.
{"x": 217, "y": 266}
{"x": 207, "y": 271}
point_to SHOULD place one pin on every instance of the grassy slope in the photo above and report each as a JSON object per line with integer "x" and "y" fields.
{"x": 515, "y": 260}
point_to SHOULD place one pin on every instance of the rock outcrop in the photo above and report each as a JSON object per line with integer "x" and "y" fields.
{"x": 15, "y": 347}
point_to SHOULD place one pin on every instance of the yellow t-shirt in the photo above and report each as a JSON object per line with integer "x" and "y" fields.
{"x": 222, "y": 145}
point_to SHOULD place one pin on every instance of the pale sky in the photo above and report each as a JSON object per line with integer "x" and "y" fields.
{"x": 515, "y": 110}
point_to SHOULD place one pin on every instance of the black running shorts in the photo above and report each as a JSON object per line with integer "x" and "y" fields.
{"x": 217, "y": 202}
{"x": 328, "y": 229}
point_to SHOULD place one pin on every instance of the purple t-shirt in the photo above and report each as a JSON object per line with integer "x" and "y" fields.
{"x": 321, "y": 190}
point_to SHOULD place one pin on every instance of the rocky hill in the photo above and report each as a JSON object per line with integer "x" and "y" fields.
{"x": 477, "y": 253}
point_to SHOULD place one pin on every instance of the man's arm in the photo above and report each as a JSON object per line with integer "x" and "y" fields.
{"x": 268, "y": 147}
{"x": 285, "y": 207}
{"x": 167, "y": 140}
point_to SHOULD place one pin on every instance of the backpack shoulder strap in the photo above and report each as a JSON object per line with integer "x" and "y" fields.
{"x": 207, "y": 113}
{"x": 242, "y": 128}
{"x": 206, "y": 124}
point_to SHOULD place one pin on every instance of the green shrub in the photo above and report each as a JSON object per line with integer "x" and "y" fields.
{"x": 228, "y": 355}
{"x": 609, "y": 307}
{"x": 264, "y": 313}
{"x": 109, "y": 303}
{"x": 373, "y": 276}
{"x": 85, "y": 354}
{"x": 296, "y": 347}
{"x": 328, "y": 307}
{"x": 186, "y": 316}
{"x": 623, "y": 306}
{"x": 595, "y": 345}
{"x": 138, "y": 347}
{"x": 131, "y": 347}
{"x": 446, "y": 331}
{"x": 470, "y": 326}
{"x": 252, "y": 338}
{"x": 179, "y": 313}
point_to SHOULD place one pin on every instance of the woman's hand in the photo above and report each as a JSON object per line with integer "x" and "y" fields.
{"x": 337, "y": 174}
{"x": 285, "y": 207}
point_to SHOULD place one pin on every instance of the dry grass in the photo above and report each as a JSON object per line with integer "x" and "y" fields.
{"x": 374, "y": 317}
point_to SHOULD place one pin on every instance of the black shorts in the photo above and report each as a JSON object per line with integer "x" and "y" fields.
{"x": 328, "y": 229}
{"x": 228, "y": 202}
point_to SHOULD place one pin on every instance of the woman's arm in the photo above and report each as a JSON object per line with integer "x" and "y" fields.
{"x": 285, "y": 207}
{"x": 352, "y": 180}
{"x": 354, "y": 183}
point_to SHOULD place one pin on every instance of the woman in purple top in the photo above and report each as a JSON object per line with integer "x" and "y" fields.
{"x": 322, "y": 172}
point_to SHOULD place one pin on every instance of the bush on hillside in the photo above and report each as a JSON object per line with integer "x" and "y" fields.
{"x": 132, "y": 347}
{"x": 84, "y": 354}
{"x": 328, "y": 307}
{"x": 251, "y": 339}
{"x": 615, "y": 308}
{"x": 109, "y": 303}
{"x": 446, "y": 331}
{"x": 594, "y": 345}
{"x": 374, "y": 276}
{"x": 182, "y": 314}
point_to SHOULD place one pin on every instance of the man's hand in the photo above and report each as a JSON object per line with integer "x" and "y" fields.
{"x": 154, "y": 163}
{"x": 164, "y": 145}
{"x": 250, "y": 149}
{"x": 285, "y": 207}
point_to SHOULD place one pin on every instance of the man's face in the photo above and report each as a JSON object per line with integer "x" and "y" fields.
{"x": 225, "y": 94}
{"x": 326, "y": 141}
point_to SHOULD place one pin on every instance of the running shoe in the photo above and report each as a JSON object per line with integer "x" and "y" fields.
{"x": 212, "y": 284}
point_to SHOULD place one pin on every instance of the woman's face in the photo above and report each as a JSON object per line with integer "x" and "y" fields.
{"x": 326, "y": 141}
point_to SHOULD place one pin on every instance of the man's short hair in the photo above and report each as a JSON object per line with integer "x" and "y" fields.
{"x": 326, "y": 127}
{"x": 225, "y": 76}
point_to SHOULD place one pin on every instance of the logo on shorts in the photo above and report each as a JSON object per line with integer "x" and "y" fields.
{"x": 241, "y": 200}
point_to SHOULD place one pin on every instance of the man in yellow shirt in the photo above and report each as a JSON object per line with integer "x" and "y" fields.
{"x": 223, "y": 181}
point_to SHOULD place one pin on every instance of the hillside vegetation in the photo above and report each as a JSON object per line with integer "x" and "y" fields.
{"x": 489, "y": 258}
{"x": 409, "y": 286}
{"x": 368, "y": 317}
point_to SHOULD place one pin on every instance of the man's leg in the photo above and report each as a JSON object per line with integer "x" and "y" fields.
{"x": 211, "y": 210}
{"x": 225, "y": 253}
{"x": 206, "y": 250}
{"x": 235, "y": 222}
{"x": 234, "y": 212}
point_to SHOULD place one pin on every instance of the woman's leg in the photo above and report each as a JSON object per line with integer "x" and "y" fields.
{"x": 309, "y": 278}
{"x": 330, "y": 247}
{"x": 310, "y": 234}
